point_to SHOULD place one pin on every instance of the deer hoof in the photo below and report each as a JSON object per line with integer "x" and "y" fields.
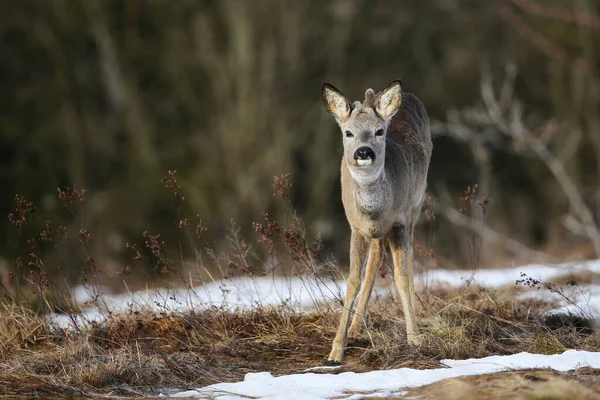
{"x": 414, "y": 340}
{"x": 336, "y": 356}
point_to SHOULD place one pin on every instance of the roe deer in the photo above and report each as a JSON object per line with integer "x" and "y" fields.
{"x": 387, "y": 148}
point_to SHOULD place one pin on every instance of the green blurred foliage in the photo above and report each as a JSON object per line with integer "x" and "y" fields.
{"x": 109, "y": 95}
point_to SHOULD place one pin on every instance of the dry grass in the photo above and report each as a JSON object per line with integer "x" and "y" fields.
{"x": 581, "y": 277}
{"x": 19, "y": 328}
{"x": 581, "y": 384}
{"x": 138, "y": 353}
{"x": 474, "y": 323}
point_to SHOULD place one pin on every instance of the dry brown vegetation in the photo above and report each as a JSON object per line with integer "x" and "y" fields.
{"x": 141, "y": 353}
{"x": 581, "y": 277}
{"x": 581, "y": 384}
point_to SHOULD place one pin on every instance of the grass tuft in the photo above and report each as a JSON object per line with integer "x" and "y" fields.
{"x": 20, "y": 328}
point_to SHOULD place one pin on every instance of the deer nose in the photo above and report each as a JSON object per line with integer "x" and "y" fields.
{"x": 364, "y": 153}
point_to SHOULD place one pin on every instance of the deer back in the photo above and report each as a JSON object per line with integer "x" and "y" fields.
{"x": 408, "y": 151}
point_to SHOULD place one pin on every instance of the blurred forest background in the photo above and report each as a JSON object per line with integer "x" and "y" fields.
{"x": 110, "y": 95}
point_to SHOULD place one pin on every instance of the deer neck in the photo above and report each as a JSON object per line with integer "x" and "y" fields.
{"x": 370, "y": 195}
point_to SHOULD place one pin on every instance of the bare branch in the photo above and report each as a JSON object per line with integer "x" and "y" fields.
{"x": 503, "y": 117}
{"x": 540, "y": 10}
{"x": 513, "y": 126}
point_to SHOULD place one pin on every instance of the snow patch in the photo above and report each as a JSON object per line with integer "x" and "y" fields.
{"x": 506, "y": 276}
{"x": 351, "y": 385}
{"x": 306, "y": 293}
{"x": 243, "y": 293}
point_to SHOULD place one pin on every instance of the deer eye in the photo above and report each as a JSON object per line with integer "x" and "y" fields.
{"x": 379, "y": 132}
{"x": 349, "y": 134}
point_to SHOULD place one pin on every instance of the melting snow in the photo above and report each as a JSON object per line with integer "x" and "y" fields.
{"x": 350, "y": 385}
{"x": 507, "y": 276}
{"x": 301, "y": 293}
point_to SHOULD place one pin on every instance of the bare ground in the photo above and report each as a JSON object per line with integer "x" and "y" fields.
{"x": 581, "y": 384}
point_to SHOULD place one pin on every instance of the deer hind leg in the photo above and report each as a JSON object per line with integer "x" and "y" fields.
{"x": 414, "y": 219}
{"x": 401, "y": 248}
{"x": 358, "y": 251}
{"x": 411, "y": 283}
{"x": 376, "y": 250}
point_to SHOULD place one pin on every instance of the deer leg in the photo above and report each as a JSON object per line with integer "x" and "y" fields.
{"x": 358, "y": 250}
{"x": 376, "y": 250}
{"x": 400, "y": 245}
{"x": 411, "y": 283}
{"x": 414, "y": 219}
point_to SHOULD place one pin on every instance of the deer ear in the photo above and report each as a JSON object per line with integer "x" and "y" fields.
{"x": 389, "y": 100}
{"x": 336, "y": 103}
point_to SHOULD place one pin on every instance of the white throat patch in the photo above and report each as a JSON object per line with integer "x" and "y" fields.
{"x": 365, "y": 176}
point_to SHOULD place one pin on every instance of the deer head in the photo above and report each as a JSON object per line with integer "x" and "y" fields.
{"x": 364, "y": 127}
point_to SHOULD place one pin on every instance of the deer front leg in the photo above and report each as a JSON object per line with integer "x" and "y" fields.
{"x": 358, "y": 250}
{"x": 376, "y": 250}
{"x": 401, "y": 246}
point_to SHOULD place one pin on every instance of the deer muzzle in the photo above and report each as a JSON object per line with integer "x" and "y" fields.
{"x": 364, "y": 156}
